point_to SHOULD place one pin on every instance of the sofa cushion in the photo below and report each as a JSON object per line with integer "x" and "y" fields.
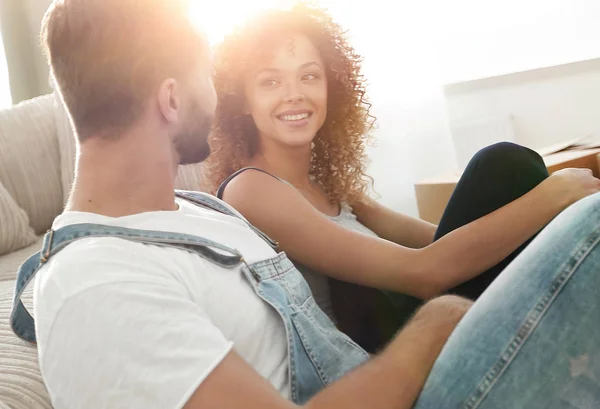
{"x": 30, "y": 160}
{"x": 10, "y": 263}
{"x": 21, "y": 384}
{"x": 190, "y": 177}
{"x": 15, "y": 232}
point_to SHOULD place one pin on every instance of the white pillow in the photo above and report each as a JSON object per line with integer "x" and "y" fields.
{"x": 30, "y": 160}
{"x": 191, "y": 177}
{"x": 15, "y": 232}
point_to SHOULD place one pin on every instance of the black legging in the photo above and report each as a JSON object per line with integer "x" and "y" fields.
{"x": 494, "y": 177}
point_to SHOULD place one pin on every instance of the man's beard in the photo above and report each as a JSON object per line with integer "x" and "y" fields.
{"x": 192, "y": 144}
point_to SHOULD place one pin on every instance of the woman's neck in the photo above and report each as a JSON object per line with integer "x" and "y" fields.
{"x": 293, "y": 166}
{"x": 289, "y": 164}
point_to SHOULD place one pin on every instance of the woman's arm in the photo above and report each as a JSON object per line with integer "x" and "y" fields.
{"x": 393, "y": 226}
{"x": 308, "y": 237}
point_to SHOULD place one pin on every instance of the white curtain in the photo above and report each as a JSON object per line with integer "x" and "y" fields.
{"x": 5, "y": 96}
{"x": 20, "y": 27}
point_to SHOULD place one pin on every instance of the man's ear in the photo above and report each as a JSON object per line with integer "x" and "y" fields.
{"x": 169, "y": 100}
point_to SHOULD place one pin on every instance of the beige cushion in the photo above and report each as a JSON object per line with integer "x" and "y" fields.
{"x": 188, "y": 178}
{"x": 30, "y": 160}
{"x": 10, "y": 263}
{"x": 21, "y": 385}
{"x": 15, "y": 232}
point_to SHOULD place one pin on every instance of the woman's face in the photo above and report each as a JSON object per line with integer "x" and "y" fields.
{"x": 287, "y": 96}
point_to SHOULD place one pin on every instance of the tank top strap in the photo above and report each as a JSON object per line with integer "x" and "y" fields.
{"x": 223, "y": 185}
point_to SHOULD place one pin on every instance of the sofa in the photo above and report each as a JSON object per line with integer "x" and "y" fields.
{"x": 37, "y": 162}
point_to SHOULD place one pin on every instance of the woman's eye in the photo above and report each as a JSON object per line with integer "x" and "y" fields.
{"x": 309, "y": 77}
{"x": 269, "y": 83}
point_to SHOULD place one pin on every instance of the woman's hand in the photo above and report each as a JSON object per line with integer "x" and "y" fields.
{"x": 570, "y": 185}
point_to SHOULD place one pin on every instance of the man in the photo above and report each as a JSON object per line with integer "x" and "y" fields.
{"x": 147, "y": 300}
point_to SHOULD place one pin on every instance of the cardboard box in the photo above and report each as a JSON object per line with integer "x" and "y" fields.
{"x": 434, "y": 193}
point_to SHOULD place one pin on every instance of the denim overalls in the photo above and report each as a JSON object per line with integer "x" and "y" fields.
{"x": 318, "y": 353}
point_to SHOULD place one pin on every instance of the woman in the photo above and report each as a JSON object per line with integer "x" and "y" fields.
{"x": 288, "y": 151}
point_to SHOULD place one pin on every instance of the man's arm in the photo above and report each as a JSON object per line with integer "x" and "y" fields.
{"x": 393, "y": 380}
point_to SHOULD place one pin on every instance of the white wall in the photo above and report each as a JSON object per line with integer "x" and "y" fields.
{"x": 484, "y": 38}
{"x": 411, "y": 48}
{"x": 548, "y": 105}
{"x": 412, "y": 139}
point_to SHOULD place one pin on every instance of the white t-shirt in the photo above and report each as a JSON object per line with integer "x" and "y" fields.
{"x": 128, "y": 325}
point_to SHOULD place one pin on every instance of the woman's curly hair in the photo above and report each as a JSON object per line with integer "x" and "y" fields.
{"x": 338, "y": 156}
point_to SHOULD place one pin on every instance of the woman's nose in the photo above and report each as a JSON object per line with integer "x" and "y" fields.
{"x": 294, "y": 98}
{"x": 293, "y": 94}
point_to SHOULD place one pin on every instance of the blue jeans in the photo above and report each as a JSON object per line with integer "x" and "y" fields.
{"x": 532, "y": 340}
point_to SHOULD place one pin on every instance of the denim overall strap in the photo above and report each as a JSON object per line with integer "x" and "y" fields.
{"x": 318, "y": 353}
{"x": 21, "y": 321}
{"x": 210, "y": 202}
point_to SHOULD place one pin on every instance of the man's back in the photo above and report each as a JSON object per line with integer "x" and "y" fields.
{"x": 89, "y": 294}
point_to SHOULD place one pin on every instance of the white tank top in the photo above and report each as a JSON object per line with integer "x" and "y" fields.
{"x": 318, "y": 283}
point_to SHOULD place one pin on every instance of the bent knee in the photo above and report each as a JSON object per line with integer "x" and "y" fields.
{"x": 505, "y": 155}
{"x": 503, "y": 151}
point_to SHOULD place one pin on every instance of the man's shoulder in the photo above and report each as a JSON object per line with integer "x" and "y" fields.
{"x": 90, "y": 268}
{"x": 205, "y": 201}
{"x": 92, "y": 261}
{"x": 149, "y": 241}
{"x": 89, "y": 262}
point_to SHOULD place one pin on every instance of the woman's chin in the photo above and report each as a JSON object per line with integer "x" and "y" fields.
{"x": 299, "y": 142}
{"x": 296, "y": 139}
